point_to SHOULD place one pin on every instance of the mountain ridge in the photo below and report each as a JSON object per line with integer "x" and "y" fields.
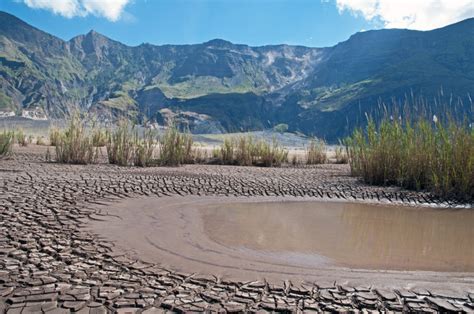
{"x": 206, "y": 84}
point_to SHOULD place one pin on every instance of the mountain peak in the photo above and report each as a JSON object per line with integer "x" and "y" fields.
{"x": 217, "y": 42}
{"x": 92, "y": 32}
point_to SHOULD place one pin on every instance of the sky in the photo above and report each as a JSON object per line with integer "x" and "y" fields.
{"x": 314, "y": 23}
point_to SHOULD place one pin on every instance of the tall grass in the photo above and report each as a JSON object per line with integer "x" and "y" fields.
{"x": 420, "y": 154}
{"x": 341, "y": 155}
{"x": 54, "y": 134}
{"x": 144, "y": 147}
{"x": 247, "y": 151}
{"x": 121, "y": 144}
{"x": 269, "y": 154}
{"x": 21, "y": 138}
{"x": 126, "y": 147}
{"x": 176, "y": 147}
{"x": 74, "y": 145}
{"x": 6, "y": 143}
{"x": 99, "y": 137}
{"x": 316, "y": 152}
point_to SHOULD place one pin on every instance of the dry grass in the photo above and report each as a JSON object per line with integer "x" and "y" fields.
{"x": 74, "y": 144}
{"x": 21, "y": 138}
{"x": 144, "y": 147}
{"x": 341, "y": 155}
{"x": 40, "y": 141}
{"x": 316, "y": 152}
{"x": 246, "y": 151}
{"x": 121, "y": 144}
{"x": 6, "y": 143}
{"x": 176, "y": 148}
{"x": 54, "y": 134}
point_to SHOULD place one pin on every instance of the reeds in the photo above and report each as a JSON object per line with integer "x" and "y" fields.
{"x": 316, "y": 152}
{"x": 74, "y": 145}
{"x": 421, "y": 154}
{"x": 144, "y": 147}
{"x": 176, "y": 148}
{"x": 121, "y": 144}
{"x": 54, "y": 134}
{"x": 269, "y": 154}
{"x": 341, "y": 155}
{"x": 247, "y": 151}
{"x": 6, "y": 143}
{"x": 99, "y": 137}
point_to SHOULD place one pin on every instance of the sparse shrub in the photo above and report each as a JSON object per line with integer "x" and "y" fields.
{"x": 175, "y": 147}
{"x": 74, "y": 144}
{"x": 417, "y": 155}
{"x": 6, "y": 143}
{"x": 21, "y": 138}
{"x": 316, "y": 152}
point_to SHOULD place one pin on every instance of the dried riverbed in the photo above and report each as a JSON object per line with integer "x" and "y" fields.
{"x": 50, "y": 259}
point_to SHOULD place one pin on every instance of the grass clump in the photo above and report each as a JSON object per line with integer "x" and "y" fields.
{"x": 54, "y": 135}
{"x": 121, "y": 144}
{"x": 316, "y": 152}
{"x": 269, "y": 154}
{"x": 225, "y": 153}
{"x": 176, "y": 148}
{"x": 99, "y": 137}
{"x": 74, "y": 145}
{"x": 246, "y": 151}
{"x": 126, "y": 147}
{"x": 21, "y": 138}
{"x": 40, "y": 141}
{"x": 341, "y": 155}
{"x": 421, "y": 154}
{"x": 6, "y": 143}
{"x": 144, "y": 147}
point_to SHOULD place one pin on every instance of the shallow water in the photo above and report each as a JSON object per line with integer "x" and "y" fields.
{"x": 353, "y": 235}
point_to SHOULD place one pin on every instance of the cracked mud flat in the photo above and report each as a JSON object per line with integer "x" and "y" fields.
{"x": 51, "y": 260}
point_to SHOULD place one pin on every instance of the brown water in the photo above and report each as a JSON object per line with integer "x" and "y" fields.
{"x": 347, "y": 234}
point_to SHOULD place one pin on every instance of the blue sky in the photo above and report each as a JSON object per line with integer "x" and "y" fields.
{"x": 315, "y": 23}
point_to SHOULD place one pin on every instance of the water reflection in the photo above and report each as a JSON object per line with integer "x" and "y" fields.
{"x": 350, "y": 234}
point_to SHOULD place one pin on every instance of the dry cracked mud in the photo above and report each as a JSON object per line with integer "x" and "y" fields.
{"x": 50, "y": 262}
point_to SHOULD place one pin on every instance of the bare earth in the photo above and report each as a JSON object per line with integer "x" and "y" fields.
{"x": 55, "y": 256}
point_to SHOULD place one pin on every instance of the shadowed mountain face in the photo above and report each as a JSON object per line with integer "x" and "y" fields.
{"x": 220, "y": 86}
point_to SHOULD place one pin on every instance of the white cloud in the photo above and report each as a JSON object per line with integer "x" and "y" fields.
{"x": 413, "y": 14}
{"x": 110, "y": 9}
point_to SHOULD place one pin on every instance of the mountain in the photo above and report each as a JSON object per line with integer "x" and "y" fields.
{"x": 219, "y": 86}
